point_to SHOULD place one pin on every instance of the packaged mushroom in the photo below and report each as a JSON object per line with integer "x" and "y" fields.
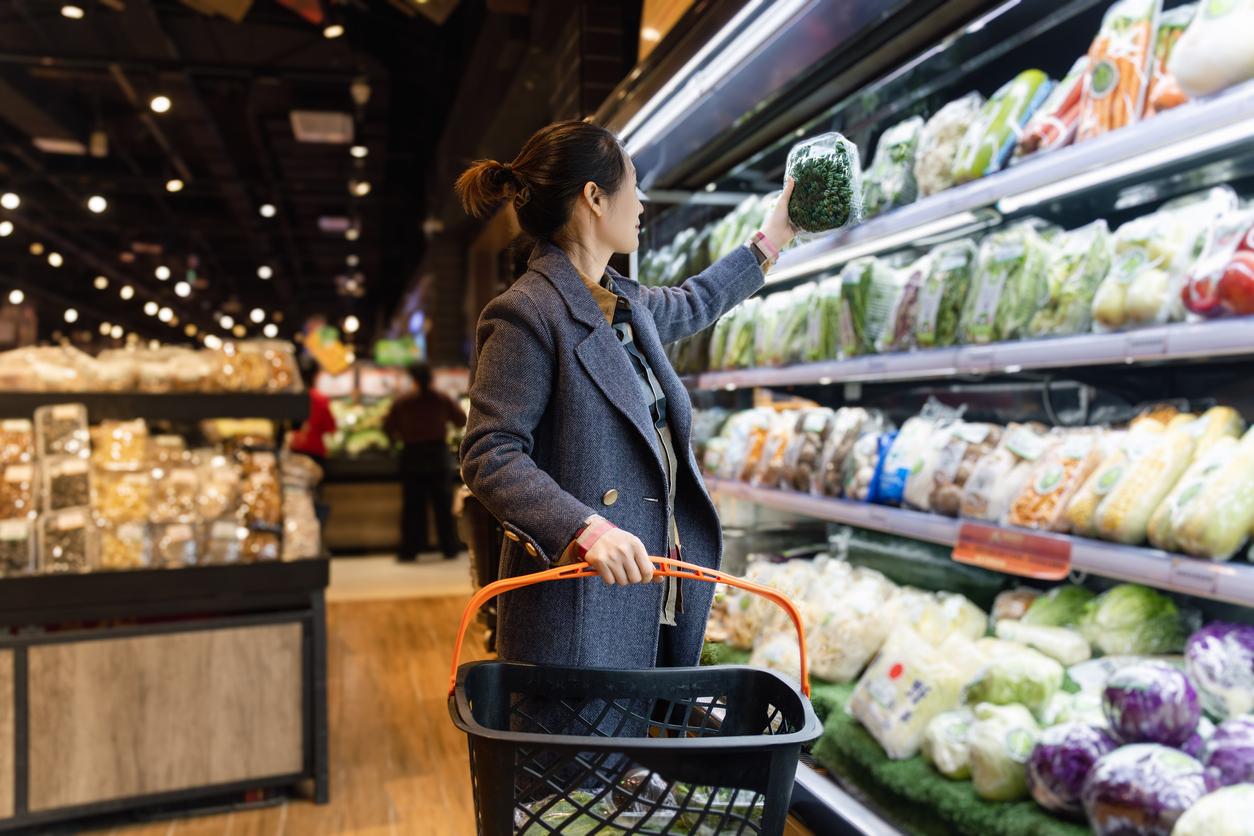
{"x": 939, "y": 485}
{"x": 120, "y": 445}
{"x": 17, "y": 547}
{"x": 999, "y": 476}
{"x": 123, "y": 546}
{"x": 67, "y": 541}
{"x": 66, "y": 482}
{"x": 801, "y": 461}
{"x": 123, "y": 496}
{"x": 848, "y": 424}
{"x": 17, "y": 491}
{"x": 61, "y": 430}
{"x": 173, "y": 544}
{"x": 17, "y": 441}
{"x": 864, "y": 465}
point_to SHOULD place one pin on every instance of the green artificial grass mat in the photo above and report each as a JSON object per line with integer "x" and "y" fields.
{"x": 922, "y": 800}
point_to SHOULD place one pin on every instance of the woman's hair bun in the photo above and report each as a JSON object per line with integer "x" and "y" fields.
{"x": 485, "y": 185}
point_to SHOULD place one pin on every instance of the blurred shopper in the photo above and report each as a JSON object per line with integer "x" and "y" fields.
{"x": 311, "y": 438}
{"x": 419, "y": 421}
{"x": 579, "y": 431}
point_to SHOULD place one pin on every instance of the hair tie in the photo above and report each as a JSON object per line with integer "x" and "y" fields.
{"x": 521, "y": 198}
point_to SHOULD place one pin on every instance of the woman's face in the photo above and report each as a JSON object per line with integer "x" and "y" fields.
{"x": 620, "y": 224}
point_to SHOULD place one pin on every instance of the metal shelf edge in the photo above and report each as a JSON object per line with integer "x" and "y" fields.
{"x": 814, "y": 789}
{"x": 292, "y": 406}
{"x": 1220, "y": 581}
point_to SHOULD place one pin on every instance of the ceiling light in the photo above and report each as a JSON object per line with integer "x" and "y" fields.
{"x": 226, "y": 321}
{"x": 239, "y": 331}
{"x": 182, "y": 290}
{"x": 190, "y": 330}
{"x": 72, "y": 12}
{"x": 16, "y": 297}
{"x": 257, "y": 315}
{"x": 97, "y": 204}
{"x": 6, "y": 229}
{"x": 359, "y": 151}
{"x": 271, "y": 330}
{"x": 352, "y": 233}
{"x": 71, "y": 315}
{"x": 116, "y": 332}
{"x": 165, "y": 314}
{"x": 332, "y": 31}
{"x": 9, "y": 200}
{"x": 351, "y": 324}
{"x": 159, "y": 104}
{"x": 265, "y": 271}
{"x": 105, "y": 328}
{"x": 174, "y": 184}
{"x": 151, "y": 308}
{"x": 267, "y": 210}
{"x": 36, "y": 248}
{"x": 212, "y": 342}
{"x": 126, "y": 292}
{"x": 350, "y": 357}
{"x": 361, "y": 188}
{"x": 352, "y": 261}
{"x": 101, "y": 283}
{"x": 55, "y": 259}
{"x": 162, "y": 272}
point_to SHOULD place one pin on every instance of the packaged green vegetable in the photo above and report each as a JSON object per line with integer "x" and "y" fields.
{"x": 1079, "y": 261}
{"x": 740, "y": 335}
{"x": 890, "y": 181}
{"x": 1000, "y": 742}
{"x": 828, "y": 190}
{"x": 822, "y": 338}
{"x": 869, "y": 289}
{"x": 1028, "y": 677}
{"x": 989, "y": 141}
{"x": 939, "y": 141}
{"x": 718, "y": 341}
{"x": 1131, "y": 619}
{"x": 943, "y": 294}
{"x": 1009, "y": 285}
{"x": 898, "y": 331}
{"x": 1062, "y": 606}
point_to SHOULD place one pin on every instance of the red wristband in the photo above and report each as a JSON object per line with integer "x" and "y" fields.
{"x": 592, "y": 532}
{"x": 762, "y": 241}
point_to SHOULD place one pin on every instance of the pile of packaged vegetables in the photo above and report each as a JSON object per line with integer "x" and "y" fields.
{"x": 1069, "y": 701}
{"x": 1177, "y": 481}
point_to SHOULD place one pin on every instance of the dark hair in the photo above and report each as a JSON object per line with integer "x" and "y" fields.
{"x": 420, "y": 373}
{"x": 547, "y": 175}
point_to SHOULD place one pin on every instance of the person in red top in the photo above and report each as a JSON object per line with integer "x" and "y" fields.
{"x": 311, "y": 438}
{"x": 419, "y": 420}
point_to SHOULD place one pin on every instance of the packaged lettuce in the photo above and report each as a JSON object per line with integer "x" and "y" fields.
{"x": 991, "y": 138}
{"x": 718, "y": 341}
{"x": 822, "y": 337}
{"x": 868, "y": 289}
{"x": 898, "y": 331}
{"x": 828, "y": 190}
{"x": 1000, "y": 741}
{"x": 1131, "y": 619}
{"x": 943, "y": 294}
{"x": 939, "y": 141}
{"x": 740, "y": 335}
{"x": 1079, "y": 261}
{"x": 1028, "y": 677}
{"x": 890, "y": 180}
{"x": 768, "y": 330}
{"x": 1009, "y": 285}
{"x": 794, "y": 325}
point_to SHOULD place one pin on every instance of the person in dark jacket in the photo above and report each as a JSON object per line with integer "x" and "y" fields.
{"x": 578, "y": 439}
{"x": 419, "y": 420}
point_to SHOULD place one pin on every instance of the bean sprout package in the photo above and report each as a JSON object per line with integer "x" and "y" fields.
{"x": 939, "y": 142}
{"x": 828, "y": 191}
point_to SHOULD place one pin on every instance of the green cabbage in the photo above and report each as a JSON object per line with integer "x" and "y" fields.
{"x": 1028, "y": 677}
{"x": 1001, "y": 740}
{"x": 946, "y": 743}
{"x": 1131, "y": 619}
{"x": 1062, "y": 606}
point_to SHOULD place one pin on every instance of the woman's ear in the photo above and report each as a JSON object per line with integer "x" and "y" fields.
{"x": 590, "y": 194}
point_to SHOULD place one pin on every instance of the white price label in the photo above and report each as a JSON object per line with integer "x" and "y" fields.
{"x": 70, "y": 467}
{"x": 67, "y": 411}
{"x": 19, "y": 473}
{"x": 14, "y": 530}
{"x": 15, "y": 425}
{"x": 76, "y": 518}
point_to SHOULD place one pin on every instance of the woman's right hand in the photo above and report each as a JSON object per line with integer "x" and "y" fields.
{"x": 620, "y": 558}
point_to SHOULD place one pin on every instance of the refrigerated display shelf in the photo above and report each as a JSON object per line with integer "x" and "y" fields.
{"x": 825, "y": 806}
{"x": 1175, "y": 139}
{"x": 1232, "y": 582}
{"x": 1165, "y": 343}
{"x": 176, "y": 406}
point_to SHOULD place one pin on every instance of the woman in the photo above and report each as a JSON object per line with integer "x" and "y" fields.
{"x": 578, "y": 438}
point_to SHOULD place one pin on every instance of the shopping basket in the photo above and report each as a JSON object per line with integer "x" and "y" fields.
{"x": 707, "y": 750}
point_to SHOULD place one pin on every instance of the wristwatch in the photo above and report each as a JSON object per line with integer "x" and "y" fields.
{"x": 762, "y": 247}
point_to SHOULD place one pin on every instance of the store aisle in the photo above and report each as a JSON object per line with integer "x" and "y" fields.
{"x": 398, "y": 765}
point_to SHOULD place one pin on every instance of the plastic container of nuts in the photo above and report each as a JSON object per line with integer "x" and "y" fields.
{"x": 67, "y": 542}
{"x": 18, "y": 491}
{"x": 17, "y": 441}
{"x": 174, "y": 494}
{"x": 173, "y": 544}
{"x": 120, "y": 445}
{"x": 66, "y": 482}
{"x": 61, "y": 430}
{"x": 224, "y": 540}
{"x": 123, "y": 546}
{"x": 123, "y": 496}
{"x": 17, "y": 547}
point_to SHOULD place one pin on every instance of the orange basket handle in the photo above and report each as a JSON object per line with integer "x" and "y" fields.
{"x": 669, "y": 568}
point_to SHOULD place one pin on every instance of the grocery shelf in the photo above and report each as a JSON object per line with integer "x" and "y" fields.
{"x": 1170, "y": 139}
{"x": 1232, "y": 582}
{"x": 1179, "y": 341}
{"x": 827, "y": 808}
{"x": 175, "y": 406}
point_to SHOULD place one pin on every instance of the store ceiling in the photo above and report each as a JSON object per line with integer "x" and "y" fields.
{"x": 76, "y": 121}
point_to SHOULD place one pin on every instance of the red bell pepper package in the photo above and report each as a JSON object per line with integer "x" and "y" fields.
{"x": 1054, "y": 124}
{"x": 1201, "y": 293}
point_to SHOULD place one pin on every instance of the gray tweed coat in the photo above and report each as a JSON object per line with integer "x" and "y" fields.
{"x": 558, "y": 427}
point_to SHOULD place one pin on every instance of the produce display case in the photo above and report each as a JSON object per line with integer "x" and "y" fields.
{"x": 1122, "y": 175}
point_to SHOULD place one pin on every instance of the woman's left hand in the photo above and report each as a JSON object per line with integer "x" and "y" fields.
{"x": 778, "y": 228}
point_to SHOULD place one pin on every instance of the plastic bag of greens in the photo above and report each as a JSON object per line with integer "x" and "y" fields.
{"x": 827, "y": 194}
{"x": 794, "y": 328}
{"x": 1062, "y": 606}
{"x": 899, "y": 327}
{"x": 939, "y": 141}
{"x": 1001, "y": 740}
{"x": 890, "y": 180}
{"x": 822, "y": 337}
{"x": 946, "y": 743}
{"x": 1130, "y": 619}
{"x": 740, "y": 335}
{"x": 718, "y": 341}
{"x": 768, "y": 329}
{"x": 990, "y": 139}
{"x": 1079, "y": 261}
{"x": 869, "y": 289}
{"x": 1009, "y": 285}
{"x": 943, "y": 293}
{"x": 1028, "y": 677}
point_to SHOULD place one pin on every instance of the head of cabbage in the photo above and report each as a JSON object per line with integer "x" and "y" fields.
{"x": 1000, "y": 742}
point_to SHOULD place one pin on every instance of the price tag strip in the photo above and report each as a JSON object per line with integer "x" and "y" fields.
{"x": 1013, "y": 551}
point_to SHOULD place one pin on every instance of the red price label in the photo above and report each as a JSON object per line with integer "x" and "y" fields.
{"x": 1013, "y": 552}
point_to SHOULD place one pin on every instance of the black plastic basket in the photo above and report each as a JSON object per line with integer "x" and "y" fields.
{"x": 710, "y": 750}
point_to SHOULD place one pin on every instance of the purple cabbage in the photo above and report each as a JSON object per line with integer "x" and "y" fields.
{"x": 1220, "y": 661}
{"x": 1197, "y": 741}
{"x": 1061, "y": 761}
{"x": 1141, "y": 790}
{"x": 1229, "y": 754}
{"x": 1151, "y": 702}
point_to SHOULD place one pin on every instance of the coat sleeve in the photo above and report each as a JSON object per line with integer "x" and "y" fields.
{"x": 694, "y": 305}
{"x": 508, "y": 397}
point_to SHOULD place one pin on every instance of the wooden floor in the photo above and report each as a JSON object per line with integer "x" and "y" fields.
{"x": 398, "y": 766}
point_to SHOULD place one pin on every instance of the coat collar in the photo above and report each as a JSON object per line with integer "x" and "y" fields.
{"x": 551, "y": 262}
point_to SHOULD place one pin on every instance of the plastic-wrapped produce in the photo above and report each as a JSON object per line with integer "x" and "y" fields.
{"x": 1055, "y": 479}
{"x": 908, "y": 684}
{"x": 1121, "y": 450}
{"x": 911, "y": 448}
{"x": 18, "y": 491}
{"x": 718, "y": 341}
{"x": 17, "y": 441}
{"x": 851, "y": 627}
{"x": 1171, "y": 512}
{"x": 742, "y": 432}
{"x": 827, "y": 193}
{"x": 1124, "y": 514}
{"x": 889, "y": 181}
{"x": 899, "y": 327}
{"x": 864, "y": 464}
{"x": 939, "y": 141}
{"x": 1224, "y": 812}
{"x": 822, "y": 338}
{"x": 1129, "y": 619}
{"x": 1063, "y": 757}
{"x": 848, "y": 424}
{"x": 1000, "y": 476}
{"x": 946, "y": 743}
{"x": 801, "y": 460}
{"x": 1054, "y": 123}
{"x": 1120, "y": 61}
{"x": 1061, "y": 643}
{"x": 1217, "y": 520}
{"x": 61, "y": 429}
{"x": 67, "y": 541}
{"x": 1001, "y": 740}
{"x": 944, "y": 293}
{"x": 738, "y": 353}
{"x": 1079, "y": 261}
{"x": 1202, "y": 289}
{"x": 1213, "y": 53}
{"x": 947, "y": 473}
{"x": 869, "y": 288}
{"x": 17, "y": 547}
{"x": 988, "y": 142}
{"x": 1164, "y": 90}
{"x": 769, "y": 329}
{"x": 1141, "y": 789}
{"x": 1026, "y": 677}
{"x": 1219, "y": 659}
{"x": 768, "y": 469}
{"x": 1152, "y": 702}
{"x": 1009, "y": 286}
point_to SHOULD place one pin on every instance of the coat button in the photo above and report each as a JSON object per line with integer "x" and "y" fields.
{"x": 511, "y": 535}
{"x": 531, "y": 550}
{"x": 611, "y": 496}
